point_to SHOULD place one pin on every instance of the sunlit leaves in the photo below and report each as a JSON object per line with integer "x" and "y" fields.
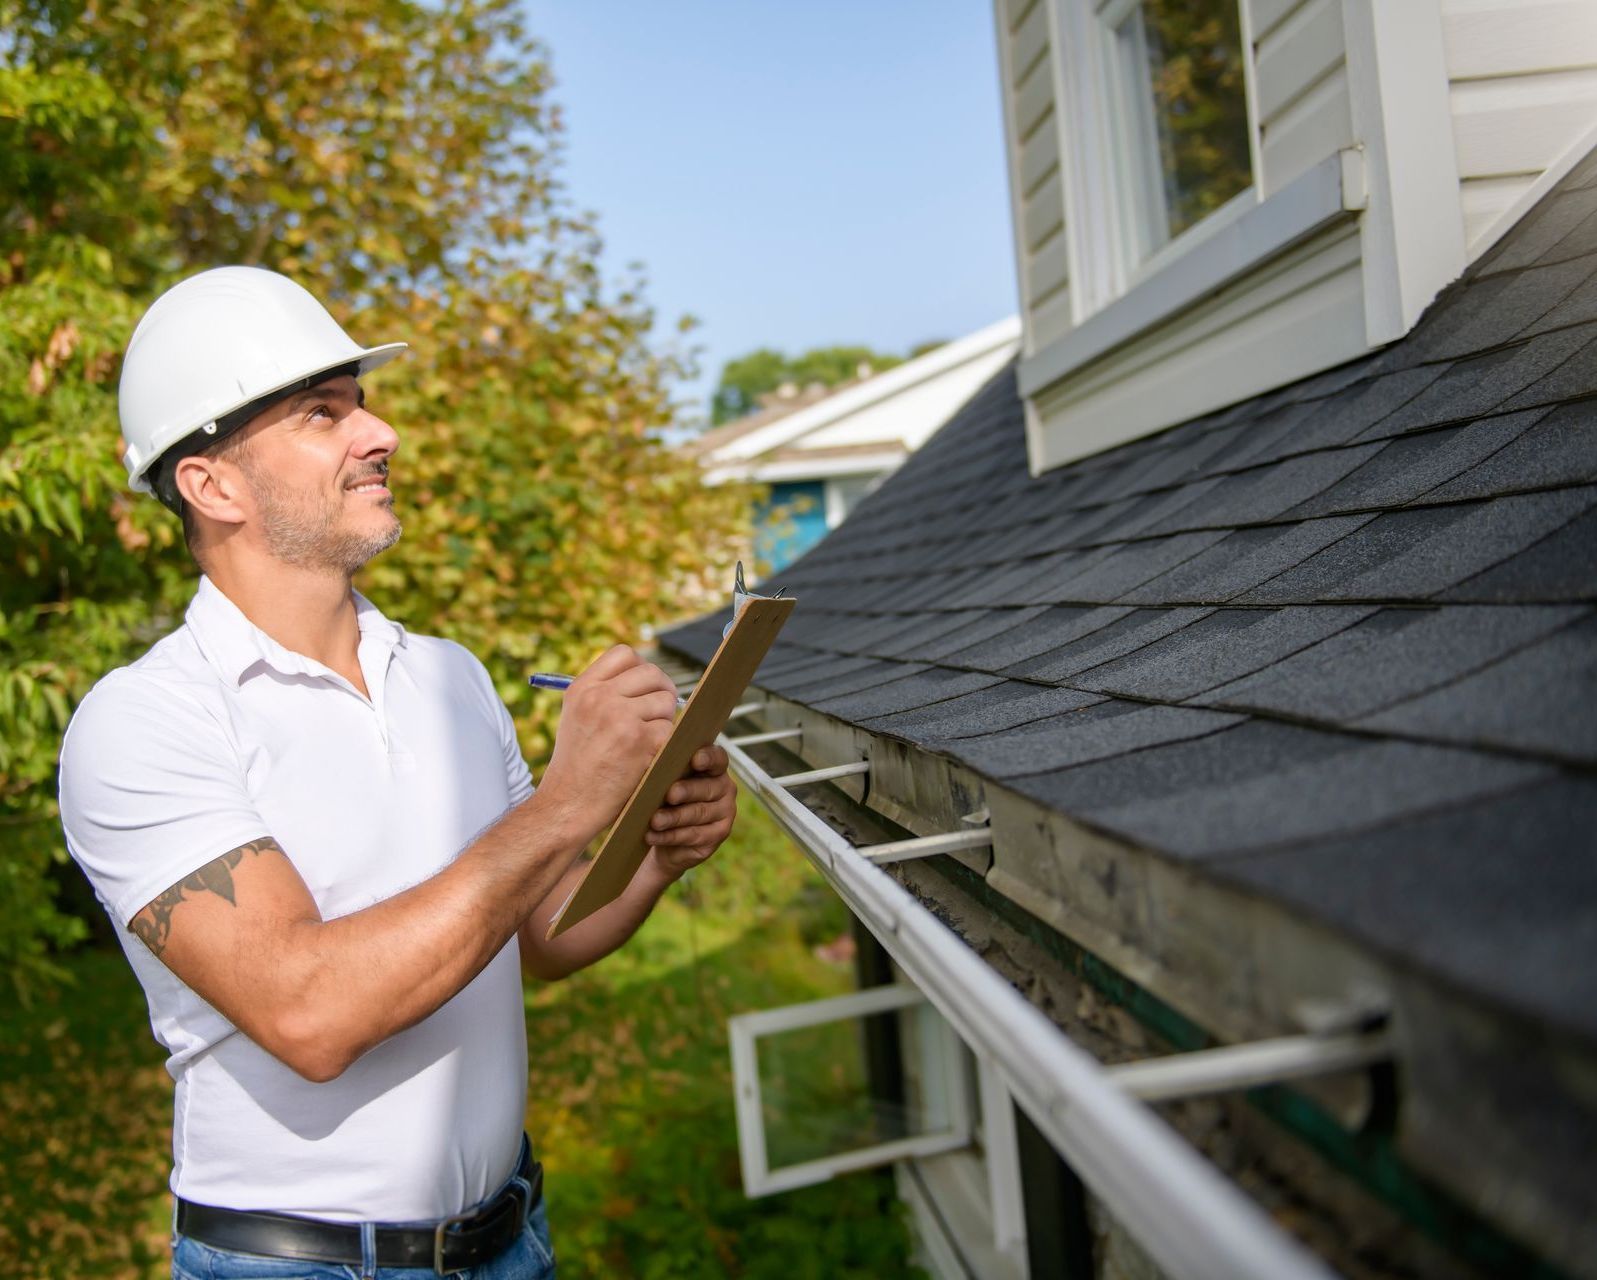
{"x": 400, "y": 159}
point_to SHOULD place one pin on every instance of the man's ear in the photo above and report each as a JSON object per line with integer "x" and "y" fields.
{"x": 211, "y": 488}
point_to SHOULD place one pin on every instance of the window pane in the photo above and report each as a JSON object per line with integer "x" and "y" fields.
{"x": 815, "y": 1091}
{"x": 1194, "y": 66}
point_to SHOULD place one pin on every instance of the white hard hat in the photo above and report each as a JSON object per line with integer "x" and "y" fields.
{"x": 222, "y": 341}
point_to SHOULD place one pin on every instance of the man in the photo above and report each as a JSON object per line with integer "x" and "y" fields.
{"x": 318, "y": 835}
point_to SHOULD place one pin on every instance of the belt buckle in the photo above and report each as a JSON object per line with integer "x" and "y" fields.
{"x": 439, "y": 1233}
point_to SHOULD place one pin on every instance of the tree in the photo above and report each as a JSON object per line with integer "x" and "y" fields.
{"x": 399, "y": 158}
{"x": 747, "y": 378}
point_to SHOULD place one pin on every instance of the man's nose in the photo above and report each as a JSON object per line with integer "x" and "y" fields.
{"x": 374, "y": 438}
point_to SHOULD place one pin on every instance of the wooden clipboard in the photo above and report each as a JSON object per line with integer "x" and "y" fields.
{"x": 742, "y": 650}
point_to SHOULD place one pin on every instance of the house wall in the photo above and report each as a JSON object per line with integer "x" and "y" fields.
{"x": 1301, "y": 95}
{"x": 1029, "y": 69}
{"x": 1285, "y": 320}
{"x": 1523, "y": 85}
{"x": 1361, "y": 87}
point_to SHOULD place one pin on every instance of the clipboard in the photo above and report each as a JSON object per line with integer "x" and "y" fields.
{"x": 741, "y": 651}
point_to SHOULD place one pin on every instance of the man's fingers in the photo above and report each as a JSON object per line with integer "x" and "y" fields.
{"x": 642, "y": 680}
{"x": 614, "y": 660}
{"x": 655, "y": 706}
{"x": 690, "y": 815}
{"x": 686, "y": 790}
{"x": 705, "y": 838}
{"x": 710, "y": 760}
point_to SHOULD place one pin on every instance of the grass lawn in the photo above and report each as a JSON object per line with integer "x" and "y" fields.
{"x": 630, "y": 1102}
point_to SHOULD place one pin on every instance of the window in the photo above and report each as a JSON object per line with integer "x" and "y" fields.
{"x": 803, "y": 1096}
{"x": 1176, "y": 67}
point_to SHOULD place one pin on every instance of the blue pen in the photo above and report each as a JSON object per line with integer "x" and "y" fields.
{"x": 549, "y": 680}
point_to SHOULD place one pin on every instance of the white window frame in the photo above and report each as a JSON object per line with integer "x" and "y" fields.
{"x": 942, "y": 1060}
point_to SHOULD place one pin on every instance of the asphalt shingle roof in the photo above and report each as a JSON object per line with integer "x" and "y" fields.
{"x": 1337, "y": 644}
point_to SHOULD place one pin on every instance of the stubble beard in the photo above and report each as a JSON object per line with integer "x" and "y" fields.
{"x": 303, "y": 531}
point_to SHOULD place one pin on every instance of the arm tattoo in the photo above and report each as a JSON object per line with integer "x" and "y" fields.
{"x": 153, "y": 925}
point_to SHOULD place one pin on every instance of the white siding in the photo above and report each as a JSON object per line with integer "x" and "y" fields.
{"x": 1302, "y": 313}
{"x": 1300, "y": 86}
{"x": 1031, "y": 115}
{"x": 1523, "y": 75}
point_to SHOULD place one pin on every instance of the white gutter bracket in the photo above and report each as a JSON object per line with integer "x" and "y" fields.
{"x": 821, "y": 775}
{"x": 1234, "y": 1067}
{"x": 926, "y": 846}
{"x": 775, "y": 735}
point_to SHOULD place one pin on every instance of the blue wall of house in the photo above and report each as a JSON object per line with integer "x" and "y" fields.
{"x": 790, "y": 521}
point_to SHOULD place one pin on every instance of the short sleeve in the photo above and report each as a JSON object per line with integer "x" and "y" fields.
{"x": 518, "y": 778}
{"x": 152, "y": 788}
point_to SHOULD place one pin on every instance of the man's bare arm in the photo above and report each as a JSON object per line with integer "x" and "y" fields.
{"x": 153, "y": 925}
{"x": 245, "y": 933}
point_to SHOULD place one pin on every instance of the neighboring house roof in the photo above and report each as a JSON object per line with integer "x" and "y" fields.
{"x": 868, "y": 425}
{"x": 1335, "y": 644}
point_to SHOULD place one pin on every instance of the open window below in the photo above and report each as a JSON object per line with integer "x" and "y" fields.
{"x": 806, "y": 1108}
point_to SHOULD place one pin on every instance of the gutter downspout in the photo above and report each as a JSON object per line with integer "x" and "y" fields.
{"x": 1192, "y": 1220}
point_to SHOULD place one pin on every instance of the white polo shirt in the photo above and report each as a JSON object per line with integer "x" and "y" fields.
{"x": 219, "y": 735}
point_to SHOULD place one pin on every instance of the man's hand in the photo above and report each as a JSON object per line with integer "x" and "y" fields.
{"x": 697, "y": 814}
{"x": 615, "y": 716}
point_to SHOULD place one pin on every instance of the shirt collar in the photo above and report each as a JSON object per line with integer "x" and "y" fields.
{"x": 235, "y": 646}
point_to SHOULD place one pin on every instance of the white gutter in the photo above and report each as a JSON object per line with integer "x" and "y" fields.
{"x": 1188, "y": 1216}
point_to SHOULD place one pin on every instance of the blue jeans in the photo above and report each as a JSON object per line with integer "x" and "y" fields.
{"x": 529, "y": 1257}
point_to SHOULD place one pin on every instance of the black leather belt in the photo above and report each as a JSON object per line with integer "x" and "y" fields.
{"x": 453, "y": 1244}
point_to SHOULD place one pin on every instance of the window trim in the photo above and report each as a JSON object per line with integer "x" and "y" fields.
{"x": 1236, "y": 239}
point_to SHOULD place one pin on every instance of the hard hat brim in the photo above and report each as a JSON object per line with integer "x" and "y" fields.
{"x": 364, "y": 359}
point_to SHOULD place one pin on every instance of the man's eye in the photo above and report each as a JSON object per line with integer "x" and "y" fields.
{"x": 323, "y": 410}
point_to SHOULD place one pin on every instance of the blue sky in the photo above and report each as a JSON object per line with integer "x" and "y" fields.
{"x": 792, "y": 174}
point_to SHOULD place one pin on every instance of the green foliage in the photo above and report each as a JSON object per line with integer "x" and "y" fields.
{"x": 630, "y": 1101}
{"x": 747, "y": 378}
{"x": 399, "y": 158}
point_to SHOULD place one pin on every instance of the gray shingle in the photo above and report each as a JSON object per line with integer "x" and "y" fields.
{"x": 1484, "y": 384}
{"x": 1264, "y": 493}
{"x": 1522, "y": 299}
{"x": 1097, "y": 732}
{"x": 1250, "y": 749}
{"x": 1546, "y": 448}
{"x": 850, "y": 675}
{"x": 1411, "y": 555}
{"x": 1562, "y": 566}
{"x": 1580, "y": 307}
{"x": 933, "y": 632}
{"x": 1122, "y": 636}
{"x": 1126, "y": 567}
{"x": 1361, "y": 789}
{"x": 1039, "y": 634}
{"x": 1537, "y": 237}
{"x": 1410, "y": 466}
{"x": 1500, "y": 895}
{"x": 1242, "y": 560}
{"x": 992, "y": 709}
{"x": 1225, "y": 645}
{"x": 1541, "y": 698}
{"x": 1389, "y": 656}
{"x": 919, "y": 689}
{"x": 980, "y": 625}
{"x": 1572, "y": 377}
